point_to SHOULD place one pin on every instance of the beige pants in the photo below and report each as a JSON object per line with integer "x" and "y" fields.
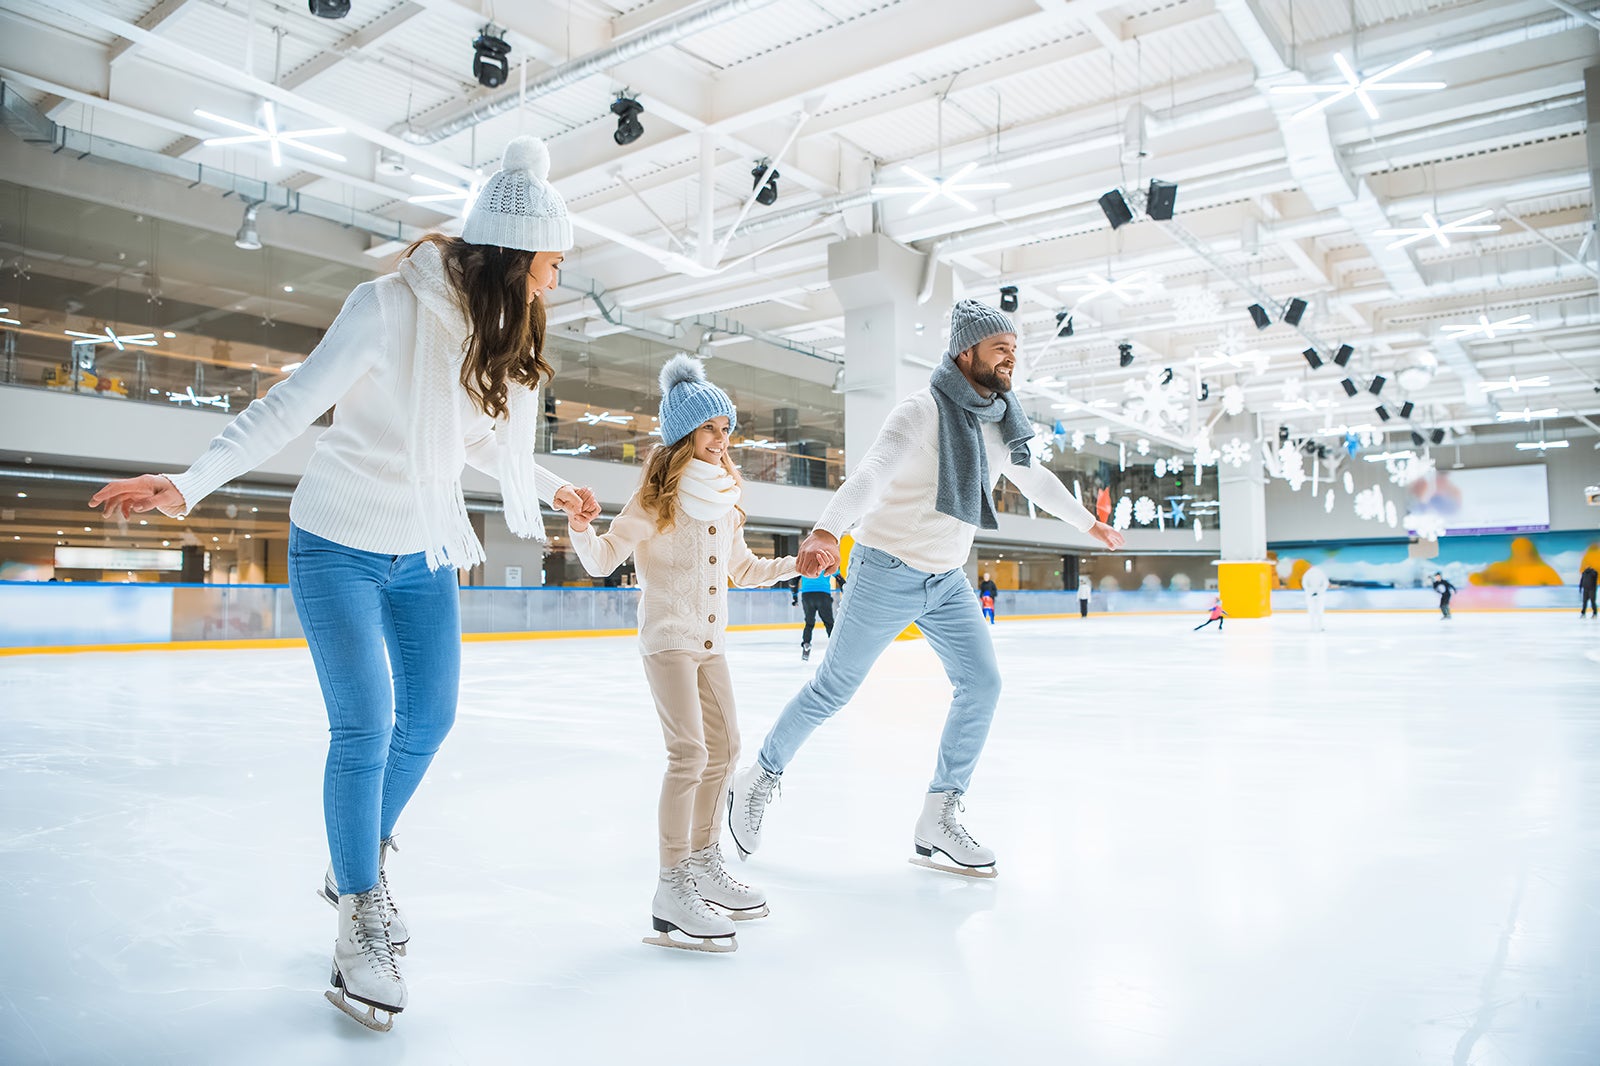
{"x": 694, "y": 696}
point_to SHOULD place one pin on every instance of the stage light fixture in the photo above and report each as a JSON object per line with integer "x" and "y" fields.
{"x": 1008, "y": 298}
{"x": 1115, "y": 205}
{"x": 1437, "y": 436}
{"x": 1160, "y": 199}
{"x": 1350, "y": 388}
{"x": 1416, "y": 438}
{"x": 329, "y": 9}
{"x": 1383, "y": 412}
{"x": 769, "y": 191}
{"x": 1258, "y": 314}
{"x": 1294, "y": 311}
{"x": 247, "y": 237}
{"x": 1377, "y": 384}
{"x": 629, "y": 128}
{"x": 1063, "y": 323}
{"x": 1406, "y": 409}
{"x": 1125, "y": 354}
{"x": 490, "y": 52}
{"x": 1342, "y": 356}
{"x": 1313, "y": 358}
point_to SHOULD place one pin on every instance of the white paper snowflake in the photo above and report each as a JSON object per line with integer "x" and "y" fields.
{"x": 1102, "y": 435}
{"x": 1233, "y": 400}
{"x": 1392, "y": 514}
{"x": 1403, "y": 472}
{"x": 1197, "y": 305}
{"x": 1142, "y": 446}
{"x": 1369, "y": 504}
{"x": 1199, "y": 533}
{"x": 1349, "y": 482}
{"x": 1292, "y": 464}
{"x": 1078, "y": 440}
{"x": 1235, "y": 452}
{"x": 1175, "y": 465}
{"x": 1161, "y": 468}
{"x": 1122, "y": 517}
{"x": 1153, "y": 404}
{"x": 1327, "y": 502}
{"x": 1426, "y": 525}
{"x": 1293, "y": 390}
{"x": 1144, "y": 510}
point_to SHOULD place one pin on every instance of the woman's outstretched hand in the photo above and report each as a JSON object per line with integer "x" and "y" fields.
{"x": 133, "y": 495}
{"x": 1106, "y": 535}
{"x": 580, "y": 506}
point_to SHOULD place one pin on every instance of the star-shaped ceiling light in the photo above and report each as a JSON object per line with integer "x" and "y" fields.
{"x": 1439, "y": 231}
{"x": 589, "y": 418}
{"x": 144, "y": 340}
{"x": 1361, "y": 87}
{"x": 932, "y": 189}
{"x": 1135, "y": 286}
{"x": 465, "y": 195}
{"x": 1512, "y": 383}
{"x": 1461, "y": 330}
{"x": 1527, "y": 414}
{"x": 271, "y": 135}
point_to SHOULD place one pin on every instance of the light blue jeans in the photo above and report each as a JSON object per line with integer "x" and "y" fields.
{"x": 882, "y": 598}
{"x": 385, "y": 635}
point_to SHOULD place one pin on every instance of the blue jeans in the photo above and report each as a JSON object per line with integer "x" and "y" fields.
{"x": 882, "y": 598}
{"x": 385, "y": 635}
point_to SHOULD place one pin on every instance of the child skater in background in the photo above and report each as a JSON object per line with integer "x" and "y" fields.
{"x": 1217, "y": 615}
{"x": 988, "y": 606}
{"x": 684, "y": 528}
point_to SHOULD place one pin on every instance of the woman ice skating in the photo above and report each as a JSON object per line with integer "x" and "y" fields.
{"x": 1314, "y": 582}
{"x": 816, "y": 596}
{"x": 685, "y": 530}
{"x": 1085, "y": 590}
{"x": 428, "y": 368}
{"x": 1216, "y": 614}
{"x": 916, "y": 500}
{"x": 1445, "y": 591}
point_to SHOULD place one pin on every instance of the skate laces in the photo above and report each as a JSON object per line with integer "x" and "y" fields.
{"x": 767, "y": 784}
{"x": 710, "y": 860}
{"x": 681, "y": 878}
{"x": 949, "y": 823}
{"x": 372, "y": 934}
{"x": 383, "y": 879}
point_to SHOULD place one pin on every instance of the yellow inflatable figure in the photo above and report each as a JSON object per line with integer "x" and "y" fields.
{"x": 1296, "y": 572}
{"x": 1523, "y": 569}
{"x": 1591, "y": 557}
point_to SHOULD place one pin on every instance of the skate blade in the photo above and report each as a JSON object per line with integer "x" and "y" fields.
{"x": 748, "y": 914}
{"x": 378, "y": 1019}
{"x": 982, "y": 873}
{"x": 716, "y": 945}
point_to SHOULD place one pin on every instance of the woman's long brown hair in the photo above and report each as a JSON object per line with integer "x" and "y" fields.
{"x": 663, "y": 470}
{"x": 506, "y": 342}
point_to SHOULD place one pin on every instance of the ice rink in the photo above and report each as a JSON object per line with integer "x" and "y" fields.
{"x": 1254, "y": 847}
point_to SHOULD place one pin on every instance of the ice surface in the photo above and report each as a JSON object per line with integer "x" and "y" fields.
{"x": 1250, "y": 847}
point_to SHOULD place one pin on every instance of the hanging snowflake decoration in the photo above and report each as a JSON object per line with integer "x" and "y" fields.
{"x": 1369, "y": 504}
{"x": 1425, "y": 524}
{"x": 1102, "y": 435}
{"x": 1161, "y": 468}
{"x": 1391, "y": 514}
{"x": 1040, "y": 446}
{"x": 1403, "y": 472}
{"x": 1122, "y": 517}
{"x": 1199, "y": 533}
{"x": 1144, "y": 510}
{"x": 1197, "y": 305}
{"x": 1141, "y": 446}
{"x": 1293, "y": 390}
{"x": 1153, "y": 404}
{"x": 1292, "y": 464}
{"x": 1235, "y": 452}
{"x": 1327, "y": 502}
{"x": 1205, "y": 455}
{"x": 1233, "y": 400}
{"x": 1349, "y": 482}
{"x": 1078, "y": 440}
{"x": 1175, "y": 465}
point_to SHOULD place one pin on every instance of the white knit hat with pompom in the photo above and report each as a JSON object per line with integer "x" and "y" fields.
{"x": 518, "y": 207}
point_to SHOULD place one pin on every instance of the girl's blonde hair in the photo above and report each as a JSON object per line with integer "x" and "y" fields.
{"x": 663, "y": 470}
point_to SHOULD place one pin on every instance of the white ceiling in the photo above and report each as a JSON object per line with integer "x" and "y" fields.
{"x": 1036, "y": 93}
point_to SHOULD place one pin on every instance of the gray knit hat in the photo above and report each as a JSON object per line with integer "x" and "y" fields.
{"x": 972, "y": 321}
{"x": 688, "y": 400}
{"x": 518, "y": 207}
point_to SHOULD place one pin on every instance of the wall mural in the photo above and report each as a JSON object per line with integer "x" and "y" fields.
{"x": 1530, "y": 561}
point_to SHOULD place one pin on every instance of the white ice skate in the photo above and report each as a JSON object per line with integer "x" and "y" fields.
{"x": 678, "y": 909}
{"x": 718, "y": 887}
{"x": 366, "y": 980}
{"x": 752, "y": 789}
{"x": 938, "y": 831}
{"x": 399, "y": 935}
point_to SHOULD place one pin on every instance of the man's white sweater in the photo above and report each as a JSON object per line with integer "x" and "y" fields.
{"x": 890, "y": 497}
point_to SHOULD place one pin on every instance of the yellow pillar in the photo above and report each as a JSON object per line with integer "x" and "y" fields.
{"x": 1245, "y": 589}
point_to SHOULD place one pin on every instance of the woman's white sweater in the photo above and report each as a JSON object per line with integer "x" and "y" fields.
{"x": 684, "y": 574}
{"x": 355, "y": 490}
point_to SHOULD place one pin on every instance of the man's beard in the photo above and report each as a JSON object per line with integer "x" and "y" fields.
{"x": 990, "y": 379}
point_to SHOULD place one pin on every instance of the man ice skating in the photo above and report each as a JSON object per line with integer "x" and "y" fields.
{"x": 1445, "y": 591}
{"x": 916, "y": 500}
{"x": 988, "y": 596}
{"x": 816, "y": 597}
{"x": 1586, "y": 590}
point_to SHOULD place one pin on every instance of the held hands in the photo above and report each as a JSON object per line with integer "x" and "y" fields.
{"x": 1106, "y": 535}
{"x": 133, "y": 495}
{"x": 819, "y": 554}
{"x": 580, "y": 506}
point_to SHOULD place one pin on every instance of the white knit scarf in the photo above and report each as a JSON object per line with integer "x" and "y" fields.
{"x": 707, "y": 492}
{"x": 436, "y": 450}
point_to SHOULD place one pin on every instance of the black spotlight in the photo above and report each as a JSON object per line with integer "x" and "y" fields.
{"x": 1294, "y": 311}
{"x": 1377, "y": 384}
{"x": 629, "y": 128}
{"x": 1437, "y": 436}
{"x": 1205, "y": 392}
{"x": 1406, "y": 409}
{"x": 1259, "y": 315}
{"x": 1349, "y": 387}
{"x": 1115, "y": 205}
{"x": 1416, "y": 438}
{"x": 769, "y": 192}
{"x": 1166, "y": 376}
{"x": 1283, "y": 434}
{"x": 1383, "y": 412}
{"x": 1312, "y": 357}
{"x": 329, "y": 9}
{"x": 1008, "y": 298}
{"x": 489, "y": 57}
{"x": 1063, "y": 323}
{"x": 1342, "y": 356}
{"x": 1160, "y": 199}
{"x": 1125, "y": 354}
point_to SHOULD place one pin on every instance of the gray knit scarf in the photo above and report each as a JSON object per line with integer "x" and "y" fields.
{"x": 965, "y": 491}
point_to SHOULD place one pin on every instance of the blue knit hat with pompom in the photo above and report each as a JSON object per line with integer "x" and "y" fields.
{"x": 688, "y": 400}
